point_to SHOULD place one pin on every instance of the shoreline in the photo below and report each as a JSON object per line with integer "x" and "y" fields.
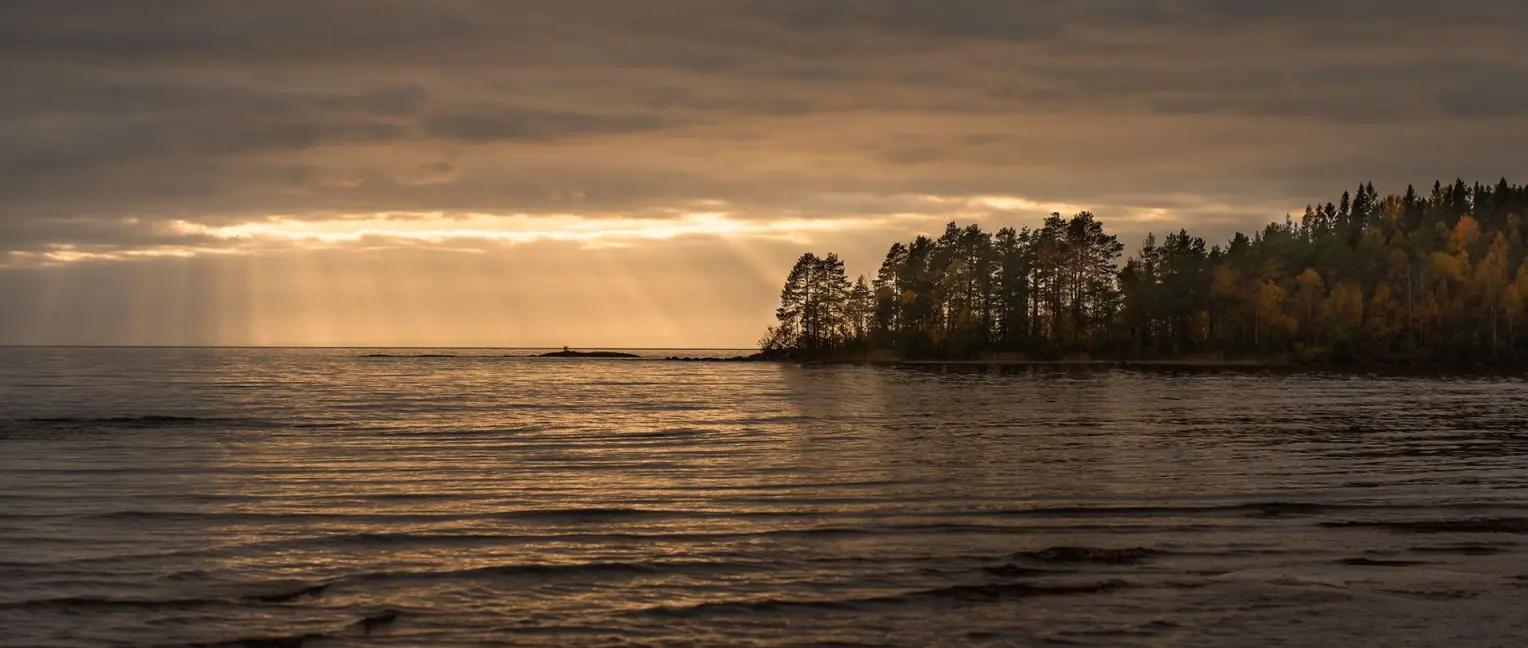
{"x": 1249, "y": 365}
{"x": 1205, "y": 365}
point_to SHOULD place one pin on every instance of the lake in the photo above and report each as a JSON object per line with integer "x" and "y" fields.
{"x": 286, "y": 497}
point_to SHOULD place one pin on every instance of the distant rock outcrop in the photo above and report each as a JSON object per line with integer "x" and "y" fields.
{"x": 566, "y": 353}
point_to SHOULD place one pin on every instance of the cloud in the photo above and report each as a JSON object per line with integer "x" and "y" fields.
{"x": 484, "y": 124}
{"x": 117, "y": 119}
{"x": 428, "y": 174}
{"x": 1493, "y": 92}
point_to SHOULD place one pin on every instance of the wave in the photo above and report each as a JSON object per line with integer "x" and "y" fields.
{"x": 170, "y": 420}
{"x": 1011, "y": 570}
{"x": 310, "y": 591}
{"x": 762, "y": 420}
{"x": 403, "y": 539}
{"x": 478, "y": 538}
{"x": 76, "y": 424}
{"x": 543, "y": 571}
{"x": 963, "y": 593}
{"x": 764, "y": 605}
{"x": 1270, "y": 509}
{"x": 1380, "y": 562}
{"x": 88, "y": 602}
{"x": 1263, "y": 509}
{"x": 997, "y": 591}
{"x": 1254, "y": 509}
{"x": 607, "y": 514}
{"x": 385, "y": 539}
{"x": 1462, "y": 550}
{"x": 374, "y": 622}
{"x": 452, "y": 434}
{"x": 583, "y": 515}
{"x": 563, "y": 515}
{"x": 94, "y": 602}
{"x": 667, "y": 407}
{"x": 150, "y": 420}
{"x": 244, "y": 516}
{"x": 136, "y": 422}
{"x": 1095, "y": 555}
{"x": 663, "y": 434}
{"x": 367, "y": 626}
{"x": 289, "y": 641}
{"x": 1477, "y": 525}
{"x": 394, "y": 539}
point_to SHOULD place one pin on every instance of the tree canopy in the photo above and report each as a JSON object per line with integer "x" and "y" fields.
{"x": 1439, "y": 276}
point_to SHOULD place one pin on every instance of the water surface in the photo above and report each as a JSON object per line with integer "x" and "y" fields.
{"x": 317, "y": 498}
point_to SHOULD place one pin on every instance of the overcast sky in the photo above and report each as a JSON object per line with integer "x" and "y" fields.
{"x": 624, "y": 173}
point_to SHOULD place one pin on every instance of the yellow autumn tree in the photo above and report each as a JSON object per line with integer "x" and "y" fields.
{"x": 1521, "y": 283}
{"x": 1512, "y": 310}
{"x": 1491, "y": 282}
{"x": 1447, "y": 266}
{"x": 1404, "y": 274}
{"x": 1227, "y": 292}
{"x": 1466, "y": 231}
{"x": 1383, "y": 317}
{"x": 1309, "y": 289}
{"x": 1270, "y": 314}
{"x": 1515, "y": 303}
{"x": 1444, "y": 300}
{"x": 1342, "y": 312}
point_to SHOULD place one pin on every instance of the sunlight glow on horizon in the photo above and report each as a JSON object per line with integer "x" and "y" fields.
{"x": 515, "y": 228}
{"x": 705, "y": 274}
{"x": 480, "y": 233}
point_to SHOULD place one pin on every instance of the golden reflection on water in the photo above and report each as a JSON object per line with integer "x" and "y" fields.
{"x": 480, "y": 494}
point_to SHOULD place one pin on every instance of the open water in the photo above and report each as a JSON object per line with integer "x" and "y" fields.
{"x": 301, "y": 497}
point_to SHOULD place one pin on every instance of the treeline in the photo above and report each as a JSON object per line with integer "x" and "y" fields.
{"x": 1439, "y": 277}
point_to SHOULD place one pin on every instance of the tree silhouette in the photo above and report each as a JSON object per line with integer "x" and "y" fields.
{"x": 1440, "y": 277}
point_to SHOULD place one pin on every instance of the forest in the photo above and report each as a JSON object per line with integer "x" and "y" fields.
{"x": 1437, "y": 277}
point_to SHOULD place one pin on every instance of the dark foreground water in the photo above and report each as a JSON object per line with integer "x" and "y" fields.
{"x": 281, "y": 498}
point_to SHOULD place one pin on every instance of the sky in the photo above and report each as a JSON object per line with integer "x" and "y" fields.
{"x": 642, "y": 174}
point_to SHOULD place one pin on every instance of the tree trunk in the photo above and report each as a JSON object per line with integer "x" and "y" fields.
{"x": 1494, "y": 317}
{"x": 1257, "y": 323}
{"x": 1411, "y": 334}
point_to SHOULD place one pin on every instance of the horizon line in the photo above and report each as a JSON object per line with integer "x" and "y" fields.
{"x": 359, "y": 346}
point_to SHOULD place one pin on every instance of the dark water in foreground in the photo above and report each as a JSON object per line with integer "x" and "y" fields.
{"x": 218, "y": 497}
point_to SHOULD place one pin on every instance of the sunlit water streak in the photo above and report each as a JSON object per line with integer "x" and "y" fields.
{"x": 199, "y": 496}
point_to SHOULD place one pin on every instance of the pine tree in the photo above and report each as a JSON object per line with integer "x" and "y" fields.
{"x": 1409, "y": 277}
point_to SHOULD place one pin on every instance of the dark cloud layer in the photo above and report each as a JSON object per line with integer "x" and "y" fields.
{"x": 216, "y": 111}
{"x": 493, "y": 123}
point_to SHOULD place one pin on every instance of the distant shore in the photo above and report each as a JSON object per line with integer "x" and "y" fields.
{"x": 1188, "y": 364}
{"x": 1011, "y": 362}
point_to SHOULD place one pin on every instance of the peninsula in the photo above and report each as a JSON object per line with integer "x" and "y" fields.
{"x": 1437, "y": 277}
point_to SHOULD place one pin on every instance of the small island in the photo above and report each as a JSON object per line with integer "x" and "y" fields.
{"x": 569, "y": 353}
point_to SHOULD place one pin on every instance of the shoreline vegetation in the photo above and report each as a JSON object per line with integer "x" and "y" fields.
{"x": 1435, "y": 280}
{"x": 1189, "y": 364}
{"x": 1005, "y": 362}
